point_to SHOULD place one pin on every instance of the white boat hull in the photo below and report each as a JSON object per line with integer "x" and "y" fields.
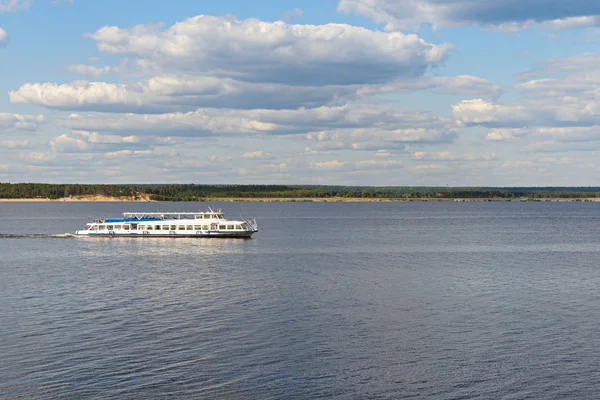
{"x": 169, "y": 234}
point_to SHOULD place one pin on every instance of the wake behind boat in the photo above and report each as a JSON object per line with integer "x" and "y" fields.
{"x": 171, "y": 224}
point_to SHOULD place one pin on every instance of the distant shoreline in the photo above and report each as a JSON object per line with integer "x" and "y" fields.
{"x": 104, "y": 199}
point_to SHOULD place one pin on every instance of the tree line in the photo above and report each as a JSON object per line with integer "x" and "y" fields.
{"x": 198, "y": 192}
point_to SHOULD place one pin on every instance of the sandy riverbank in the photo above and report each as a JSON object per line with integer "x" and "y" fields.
{"x": 97, "y": 199}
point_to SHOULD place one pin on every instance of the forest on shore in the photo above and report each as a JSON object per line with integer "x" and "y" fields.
{"x": 199, "y": 192}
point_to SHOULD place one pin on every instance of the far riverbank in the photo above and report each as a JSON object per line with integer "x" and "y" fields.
{"x": 146, "y": 199}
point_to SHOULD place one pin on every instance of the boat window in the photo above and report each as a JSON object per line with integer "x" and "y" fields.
{"x": 229, "y": 226}
{"x": 101, "y": 227}
{"x": 204, "y": 227}
{"x": 238, "y": 227}
{"x": 126, "y": 227}
{"x": 109, "y": 227}
{"x": 244, "y": 226}
{"x": 95, "y": 228}
{"x": 189, "y": 227}
{"x": 149, "y": 227}
{"x": 173, "y": 227}
{"x": 165, "y": 227}
{"x": 181, "y": 227}
{"x": 157, "y": 227}
{"x": 197, "y": 227}
{"x": 222, "y": 227}
{"x": 142, "y": 227}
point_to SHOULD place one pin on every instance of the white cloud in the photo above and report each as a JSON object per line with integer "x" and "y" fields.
{"x": 385, "y": 123}
{"x": 436, "y": 168}
{"x": 384, "y": 153}
{"x": 67, "y": 144}
{"x": 14, "y": 5}
{"x": 503, "y": 134}
{"x": 450, "y": 156}
{"x": 154, "y": 152}
{"x": 508, "y": 15}
{"x": 560, "y": 96}
{"x": 518, "y": 164}
{"x": 258, "y": 155}
{"x": 210, "y": 61}
{"x": 4, "y": 39}
{"x": 482, "y": 112}
{"x": 338, "y": 165}
{"x": 89, "y": 71}
{"x": 570, "y": 134}
{"x": 256, "y": 51}
{"x": 14, "y": 144}
{"x": 180, "y": 93}
{"x": 454, "y": 85}
{"x": 83, "y": 141}
{"x": 20, "y": 122}
{"x": 174, "y": 93}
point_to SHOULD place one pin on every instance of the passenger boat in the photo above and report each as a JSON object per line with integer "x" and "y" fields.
{"x": 171, "y": 224}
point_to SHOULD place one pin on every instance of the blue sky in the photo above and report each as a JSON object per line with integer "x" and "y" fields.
{"x": 380, "y": 92}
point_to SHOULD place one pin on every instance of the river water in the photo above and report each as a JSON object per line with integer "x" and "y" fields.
{"x": 335, "y": 300}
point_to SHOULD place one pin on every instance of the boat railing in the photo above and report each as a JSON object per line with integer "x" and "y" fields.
{"x": 252, "y": 225}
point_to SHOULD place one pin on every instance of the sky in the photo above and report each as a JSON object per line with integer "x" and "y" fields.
{"x": 332, "y": 92}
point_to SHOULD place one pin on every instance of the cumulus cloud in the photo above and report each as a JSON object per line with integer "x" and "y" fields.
{"x": 570, "y": 134}
{"x": 14, "y": 5}
{"x": 175, "y": 93}
{"x": 89, "y": 71}
{"x": 435, "y": 168}
{"x": 14, "y": 144}
{"x": 161, "y": 94}
{"x": 381, "y": 121}
{"x": 454, "y": 85}
{"x": 482, "y": 112}
{"x": 337, "y": 165}
{"x": 93, "y": 142}
{"x": 221, "y": 62}
{"x": 507, "y": 14}
{"x": 504, "y": 134}
{"x": 558, "y": 93}
{"x": 20, "y": 122}
{"x": 154, "y": 152}
{"x": 369, "y": 139}
{"x": 4, "y": 39}
{"x": 258, "y": 155}
{"x": 257, "y": 51}
{"x": 450, "y": 156}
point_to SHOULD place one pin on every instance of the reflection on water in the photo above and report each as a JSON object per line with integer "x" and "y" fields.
{"x": 164, "y": 247}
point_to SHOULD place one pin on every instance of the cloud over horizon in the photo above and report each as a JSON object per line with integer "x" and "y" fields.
{"x": 508, "y": 14}
{"x": 217, "y": 98}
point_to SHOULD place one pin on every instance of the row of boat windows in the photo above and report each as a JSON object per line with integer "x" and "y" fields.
{"x": 167, "y": 227}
